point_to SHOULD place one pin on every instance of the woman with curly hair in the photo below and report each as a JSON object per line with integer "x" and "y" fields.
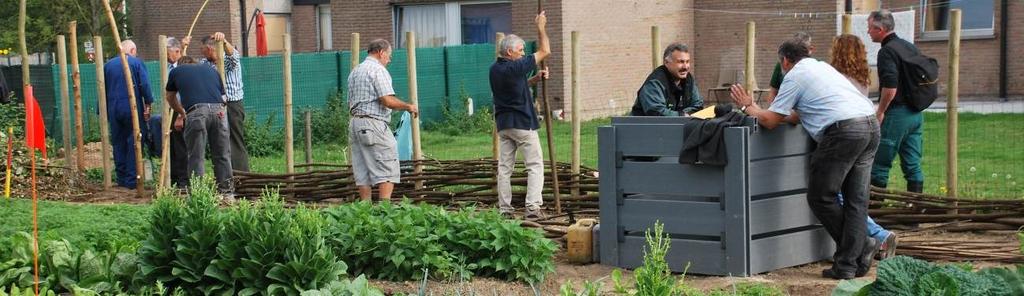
{"x": 850, "y": 58}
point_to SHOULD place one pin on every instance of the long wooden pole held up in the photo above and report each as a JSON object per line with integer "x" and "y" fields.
{"x": 184, "y": 49}
{"x": 417, "y": 152}
{"x": 136, "y": 133}
{"x": 65, "y": 109}
{"x": 165, "y": 120}
{"x": 576, "y": 120}
{"x": 655, "y": 47}
{"x": 750, "y": 59}
{"x": 550, "y": 132}
{"x": 101, "y": 99}
{"x": 76, "y": 83}
{"x": 289, "y": 136}
{"x": 953, "y": 95}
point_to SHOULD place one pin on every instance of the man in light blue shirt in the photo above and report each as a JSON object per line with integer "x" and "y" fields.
{"x": 842, "y": 121}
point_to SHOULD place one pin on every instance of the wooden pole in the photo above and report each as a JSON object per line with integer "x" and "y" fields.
{"x": 101, "y": 99}
{"x": 576, "y": 120}
{"x": 953, "y": 95}
{"x": 655, "y": 47}
{"x": 220, "y": 63}
{"x": 23, "y": 47}
{"x": 847, "y": 23}
{"x": 163, "y": 179}
{"x": 309, "y": 139}
{"x": 749, "y": 60}
{"x": 184, "y": 50}
{"x": 354, "y": 60}
{"x": 417, "y": 152}
{"x": 550, "y": 132}
{"x": 498, "y": 37}
{"x": 132, "y": 105}
{"x": 65, "y": 109}
{"x": 289, "y": 136}
{"x": 76, "y": 80}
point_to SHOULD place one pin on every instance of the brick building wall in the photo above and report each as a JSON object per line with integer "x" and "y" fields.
{"x": 721, "y": 37}
{"x": 615, "y": 44}
{"x": 304, "y": 28}
{"x": 173, "y": 18}
{"x": 1015, "y": 71}
{"x": 372, "y": 19}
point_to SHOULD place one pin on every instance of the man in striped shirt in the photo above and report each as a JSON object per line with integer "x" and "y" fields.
{"x": 233, "y": 87}
{"x": 370, "y": 100}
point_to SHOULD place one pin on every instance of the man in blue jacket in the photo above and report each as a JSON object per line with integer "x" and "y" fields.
{"x": 119, "y": 112}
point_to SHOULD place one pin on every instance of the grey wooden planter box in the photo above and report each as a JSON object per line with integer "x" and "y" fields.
{"x": 747, "y": 217}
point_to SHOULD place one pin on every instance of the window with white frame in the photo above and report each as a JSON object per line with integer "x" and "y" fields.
{"x": 452, "y": 23}
{"x": 323, "y": 16}
{"x": 977, "y": 17}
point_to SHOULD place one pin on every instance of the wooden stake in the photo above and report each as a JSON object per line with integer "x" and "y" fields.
{"x": 749, "y": 60}
{"x": 498, "y": 37}
{"x": 289, "y": 136}
{"x": 220, "y": 64}
{"x": 354, "y": 60}
{"x": 417, "y": 152}
{"x": 309, "y": 138}
{"x": 76, "y": 80}
{"x": 24, "y": 57}
{"x": 952, "y": 96}
{"x": 550, "y": 132}
{"x": 101, "y": 99}
{"x": 132, "y": 105}
{"x": 164, "y": 178}
{"x": 65, "y": 109}
{"x": 655, "y": 47}
{"x": 847, "y": 23}
{"x": 576, "y": 120}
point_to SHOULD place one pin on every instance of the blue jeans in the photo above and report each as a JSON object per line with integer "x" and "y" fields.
{"x": 874, "y": 230}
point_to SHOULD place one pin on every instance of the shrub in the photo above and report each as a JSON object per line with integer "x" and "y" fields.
{"x": 330, "y": 123}
{"x": 455, "y": 119}
{"x": 262, "y": 139}
{"x": 400, "y": 242}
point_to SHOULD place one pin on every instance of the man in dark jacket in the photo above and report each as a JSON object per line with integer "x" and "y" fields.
{"x": 671, "y": 89}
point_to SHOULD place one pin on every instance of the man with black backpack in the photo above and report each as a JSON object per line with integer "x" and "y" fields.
{"x": 908, "y": 86}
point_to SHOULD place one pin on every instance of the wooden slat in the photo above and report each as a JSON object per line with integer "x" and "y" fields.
{"x": 679, "y": 217}
{"x": 608, "y": 203}
{"x": 704, "y": 257}
{"x": 791, "y": 249}
{"x": 780, "y": 213}
{"x": 670, "y": 178}
{"x": 784, "y": 140}
{"x": 778, "y": 174}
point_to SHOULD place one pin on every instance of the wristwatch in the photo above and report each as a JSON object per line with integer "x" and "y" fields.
{"x": 744, "y": 108}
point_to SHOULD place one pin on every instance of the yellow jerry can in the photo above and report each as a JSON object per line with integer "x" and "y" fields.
{"x": 579, "y": 241}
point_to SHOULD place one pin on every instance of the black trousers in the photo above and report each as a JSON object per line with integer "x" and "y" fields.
{"x": 842, "y": 164}
{"x": 236, "y": 127}
{"x": 179, "y": 156}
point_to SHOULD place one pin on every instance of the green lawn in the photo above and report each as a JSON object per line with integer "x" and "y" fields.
{"x": 100, "y": 227}
{"x": 993, "y": 144}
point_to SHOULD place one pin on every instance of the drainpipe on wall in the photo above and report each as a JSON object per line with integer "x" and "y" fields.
{"x": 245, "y": 31}
{"x": 1003, "y": 21}
{"x": 848, "y": 8}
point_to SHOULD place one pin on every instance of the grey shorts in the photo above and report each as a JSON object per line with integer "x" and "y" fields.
{"x": 374, "y": 152}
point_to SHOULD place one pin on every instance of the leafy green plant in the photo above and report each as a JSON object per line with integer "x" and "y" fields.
{"x": 903, "y": 275}
{"x": 16, "y": 267}
{"x": 654, "y": 277}
{"x": 589, "y": 289}
{"x": 456, "y": 120}
{"x": 262, "y": 138}
{"x": 400, "y": 242}
{"x": 198, "y": 235}
{"x": 29, "y": 291}
{"x": 158, "y": 250}
{"x": 330, "y": 123}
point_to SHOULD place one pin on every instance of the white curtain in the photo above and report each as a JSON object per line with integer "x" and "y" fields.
{"x": 428, "y": 21}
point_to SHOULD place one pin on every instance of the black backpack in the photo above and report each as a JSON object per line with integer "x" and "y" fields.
{"x": 919, "y": 76}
